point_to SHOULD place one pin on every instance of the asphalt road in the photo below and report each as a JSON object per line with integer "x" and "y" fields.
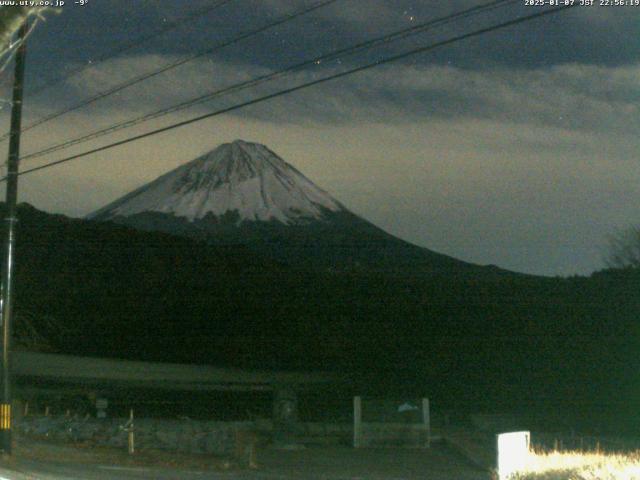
{"x": 317, "y": 463}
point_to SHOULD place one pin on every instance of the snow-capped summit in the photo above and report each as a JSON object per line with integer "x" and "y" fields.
{"x": 241, "y": 177}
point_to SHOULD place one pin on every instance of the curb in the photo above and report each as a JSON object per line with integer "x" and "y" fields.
{"x": 14, "y": 473}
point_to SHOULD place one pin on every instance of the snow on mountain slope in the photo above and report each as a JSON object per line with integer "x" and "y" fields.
{"x": 244, "y": 177}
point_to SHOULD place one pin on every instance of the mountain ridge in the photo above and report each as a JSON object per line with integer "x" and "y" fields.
{"x": 244, "y": 193}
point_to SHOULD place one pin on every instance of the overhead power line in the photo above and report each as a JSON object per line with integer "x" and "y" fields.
{"x": 168, "y": 26}
{"x": 287, "y": 91}
{"x": 141, "y": 78}
{"x": 336, "y": 54}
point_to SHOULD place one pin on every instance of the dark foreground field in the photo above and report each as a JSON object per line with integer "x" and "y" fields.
{"x": 48, "y": 461}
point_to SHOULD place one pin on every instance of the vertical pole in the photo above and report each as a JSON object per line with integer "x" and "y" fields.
{"x": 426, "y": 418}
{"x": 357, "y": 422}
{"x": 8, "y": 264}
{"x": 132, "y": 448}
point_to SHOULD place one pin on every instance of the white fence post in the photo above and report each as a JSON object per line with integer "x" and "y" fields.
{"x": 426, "y": 418}
{"x": 357, "y": 422}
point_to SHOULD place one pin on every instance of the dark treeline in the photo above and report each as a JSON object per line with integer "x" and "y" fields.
{"x": 503, "y": 341}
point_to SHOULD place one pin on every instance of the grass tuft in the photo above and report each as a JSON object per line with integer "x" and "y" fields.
{"x": 581, "y": 466}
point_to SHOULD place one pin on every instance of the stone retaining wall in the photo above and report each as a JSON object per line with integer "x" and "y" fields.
{"x": 181, "y": 435}
{"x": 192, "y": 436}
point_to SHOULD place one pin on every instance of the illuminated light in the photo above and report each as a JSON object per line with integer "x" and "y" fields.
{"x": 513, "y": 453}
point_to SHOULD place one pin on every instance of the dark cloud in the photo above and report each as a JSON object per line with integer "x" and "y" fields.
{"x": 590, "y": 35}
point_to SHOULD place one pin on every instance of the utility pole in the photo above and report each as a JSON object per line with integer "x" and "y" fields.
{"x": 10, "y": 239}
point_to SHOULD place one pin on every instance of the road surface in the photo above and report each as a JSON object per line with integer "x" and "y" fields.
{"x": 314, "y": 463}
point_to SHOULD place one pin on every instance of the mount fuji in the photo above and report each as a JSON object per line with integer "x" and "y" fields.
{"x": 244, "y": 193}
{"x": 239, "y": 177}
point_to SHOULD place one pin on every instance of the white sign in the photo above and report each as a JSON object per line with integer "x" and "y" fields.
{"x": 513, "y": 451}
{"x": 406, "y": 407}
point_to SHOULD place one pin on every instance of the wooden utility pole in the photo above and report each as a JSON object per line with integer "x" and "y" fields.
{"x": 8, "y": 263}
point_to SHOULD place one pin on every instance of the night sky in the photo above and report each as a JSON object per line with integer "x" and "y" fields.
{"x": 517, "y": 148}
